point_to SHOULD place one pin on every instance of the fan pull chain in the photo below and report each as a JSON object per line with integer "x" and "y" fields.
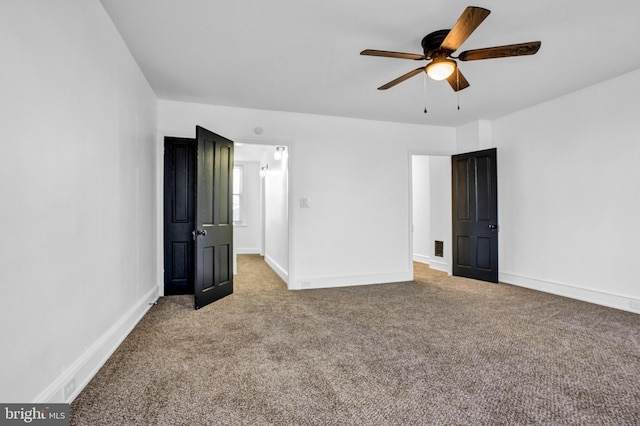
{"x": 458, "y": 83}
{"x": 425, "y": 92}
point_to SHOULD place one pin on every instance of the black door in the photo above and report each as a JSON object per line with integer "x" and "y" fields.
{"x": 213, "y": 232}
{"x": 475, "y": 215}
{"x": 179, "y": 214}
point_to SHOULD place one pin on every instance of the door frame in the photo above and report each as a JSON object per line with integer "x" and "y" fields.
{"x": 159, "y": 164}
{"x": 477, "y": 228}
{"x": 192, "y": 145}
{"x": 410, "y": 153}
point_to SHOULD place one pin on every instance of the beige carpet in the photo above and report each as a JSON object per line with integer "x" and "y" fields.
{"x": 436, "y": 351}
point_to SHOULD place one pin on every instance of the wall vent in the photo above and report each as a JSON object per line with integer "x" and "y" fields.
{"x": 439, "y": 249}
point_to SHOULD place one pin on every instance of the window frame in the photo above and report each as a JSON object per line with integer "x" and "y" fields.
{"x": 239, "y": 186}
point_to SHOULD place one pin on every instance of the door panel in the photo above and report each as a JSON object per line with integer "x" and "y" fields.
{"x": 206, "y": 181}
{"x": 214, "y": 226}
{"x": 179, "y": 214}
{"x": 483, "y": 191}
{"x": 180, "y": 260}
{"x": 208, "y": 260}
{"x": 225, "y": 175}
{"x": 462, "y": 190}
{"x": 475, "y": 215}
{"x": 483, "y": 256}
{"x": 463, "y": 250}
{"x": 225, "y": 260}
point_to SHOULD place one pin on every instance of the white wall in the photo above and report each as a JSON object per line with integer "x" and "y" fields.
{"x": 421, "y": 188}
{"x": 77, "y": 182}
{"x": 276, "y": 212}
{"x": 247, "y": 238}
{"x": 432, "y": 210}
{"x": 440, "y": 192}
{"x": 356, "y": 175}
{"x": 568, "y": 194}
{"x": 474, "y": 136}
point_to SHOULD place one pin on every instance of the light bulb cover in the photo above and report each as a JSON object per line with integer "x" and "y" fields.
{"x": 277, "y": 155}
{"x": 440, "y": 69}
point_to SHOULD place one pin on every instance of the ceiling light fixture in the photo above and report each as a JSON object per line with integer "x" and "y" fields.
{"x": 278, "y": 154}
{"x": 440, "y": 68}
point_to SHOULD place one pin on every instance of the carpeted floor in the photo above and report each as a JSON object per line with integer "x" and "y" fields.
{"x": 436, "y": 351}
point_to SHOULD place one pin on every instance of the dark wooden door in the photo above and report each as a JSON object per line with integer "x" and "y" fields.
{"x": 213, "y": 232}
{"x": 179, "y": 214}
{"x": 475, "y": 215}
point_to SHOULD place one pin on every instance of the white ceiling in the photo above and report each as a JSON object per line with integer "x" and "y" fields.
{"x": 249, "y": 152}
{"x": 303, "y": 56}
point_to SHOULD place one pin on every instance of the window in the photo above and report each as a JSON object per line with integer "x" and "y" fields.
{"x": 238, "y": 204}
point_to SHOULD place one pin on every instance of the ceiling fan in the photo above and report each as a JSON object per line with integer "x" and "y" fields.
{"x": 439, "y": 46}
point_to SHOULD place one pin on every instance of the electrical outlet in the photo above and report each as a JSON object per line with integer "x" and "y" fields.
{"x": 69, "y": 388}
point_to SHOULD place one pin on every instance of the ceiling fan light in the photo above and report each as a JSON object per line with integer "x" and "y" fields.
{"x": 440, "y": 69}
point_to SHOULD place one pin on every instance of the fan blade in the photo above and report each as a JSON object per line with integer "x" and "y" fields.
{"x": 520, "y": 49}
{"x": 401, "y": 78}
{"x": 386, "y": 54}
{"x": 470, "y": 19}
{"x": 457, "y": 81}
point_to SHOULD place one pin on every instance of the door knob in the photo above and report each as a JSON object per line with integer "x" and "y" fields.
{"x": 197, "y": 232}
{"x": 493, "y": 227}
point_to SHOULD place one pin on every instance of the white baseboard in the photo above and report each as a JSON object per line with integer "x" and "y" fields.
{"x": 440, "y": 265}
{"x": 248, "y": 250}
{"x": 421, "y": 258}
{"x": 348, "y": 281}
{"x": 87, "y": 365}
{"x": 282, "y": 273}
{"x": 434, "y": 263}
{"x": 587, "y": 295}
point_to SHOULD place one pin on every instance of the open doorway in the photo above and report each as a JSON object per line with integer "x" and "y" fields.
{"x": 261, "y": 204}
{"x": 431, "y": 211}
{"x": 260, "y": 209}
{"x": 197, "y": 216}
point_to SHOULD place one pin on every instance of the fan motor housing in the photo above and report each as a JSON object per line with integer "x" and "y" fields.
{"x": 431, "y": 43}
